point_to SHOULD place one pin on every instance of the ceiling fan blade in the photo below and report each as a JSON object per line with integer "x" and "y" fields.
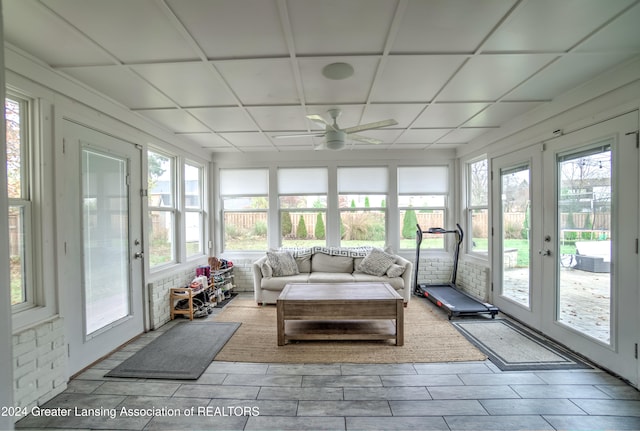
{"x": 364, "y": 139}
{"x": 320, "y": 121}
{"x": 369, "y": 126}
{"x": 298, "y": 135}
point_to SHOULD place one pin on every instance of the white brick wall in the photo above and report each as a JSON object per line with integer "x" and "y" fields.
{"x": 159, "y": 294}
{"x": 473, "y": 278}
{"x": 435, "y": 269}
{"x": 39, "y": 363}
{"x": 242, "y": 274}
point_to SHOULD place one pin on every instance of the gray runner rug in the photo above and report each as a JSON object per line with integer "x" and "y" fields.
{"x": 513, "y": 348}
{"x": 182, "y": 353}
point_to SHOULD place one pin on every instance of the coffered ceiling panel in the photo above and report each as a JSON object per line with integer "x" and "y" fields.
{"x": 233, "y": 29}
{"x": 621, "y": 34}
{"x": 189, "y": 84}
{"x": 500, "y": 113}
{"x": 260, "y": 81}
{"x": 542, "y": 25}
{"x": 561, "y": 75}
{"x": 448, "y": 114}
{"x": 144, "y": 33}
{"x": 179, "y": 121}
{"x": 50, "y": 38}
{"x": 355, "y": 89}
{"x": 225, "y": 119}
{"x": 489, "y": 77}
{"x": 122, "y": 85}
{"x": 340, "y": 27}
{"x": 447, "y": 25}
{"x": 429, "y": 73}
{"x": 231, "y": 75}
{"x": 280, "y": 118}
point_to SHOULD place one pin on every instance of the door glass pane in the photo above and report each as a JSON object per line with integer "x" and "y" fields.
{"x": 105, "y": 231}
{"x": 516, "y": 247}
{"x": 584, "y": 221}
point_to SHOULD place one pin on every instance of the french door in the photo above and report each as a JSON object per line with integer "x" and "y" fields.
{"x": 576, "y": 274}
{"x": 103, "y": 292}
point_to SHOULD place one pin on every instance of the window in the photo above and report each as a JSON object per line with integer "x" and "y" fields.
{"x": 244, "y": 194}
{"x": 422, "y": 200}
{"x": 162, "y": 209}
{"x": 478, "y": 207}
{"x": 362, "y": 194}
{"x": 19, "y": 192}
{"x": 193, "y": 210}
{"x": 303, "y": 206}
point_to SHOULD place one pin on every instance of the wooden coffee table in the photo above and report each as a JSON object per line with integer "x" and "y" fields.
{"x": 340, "y": 311}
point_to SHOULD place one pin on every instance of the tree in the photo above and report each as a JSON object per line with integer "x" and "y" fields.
{"x": 319, "y": 229}
{"x": 285, "y": 223}
{"x": 301, "y": 230}
{"x": 409, "y": 223}
{"x": 367, "y": 204}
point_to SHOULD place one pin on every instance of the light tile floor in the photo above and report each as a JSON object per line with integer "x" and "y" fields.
{"x": 333, "y": 396}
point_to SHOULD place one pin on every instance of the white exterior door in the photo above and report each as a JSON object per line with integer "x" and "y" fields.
{"x": 103, "y": 288}
{"x": 591, "y": 272}
{"x": 565, "y": 241}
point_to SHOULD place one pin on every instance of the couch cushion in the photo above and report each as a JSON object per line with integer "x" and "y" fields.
{"x": 396, "y": 282}
{"x": 304, "y": 263}
{"x": 278, "y": 283}
{"x": 321, "y": 262}
{"x": 376, "y": 262}
{"x": 282, "y": 263}
{"x": 330, "y": 277}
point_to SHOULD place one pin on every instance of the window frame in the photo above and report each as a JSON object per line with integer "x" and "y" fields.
{"x": 470, "y": 206}
{"x": 299, "y": 176}
{"x": 445, "y": 194}
{"x": 170, "y": 209}
{"x": 200, "y": 210}
{"x": 223, "y": 197}
{"x": 24, "y": 203}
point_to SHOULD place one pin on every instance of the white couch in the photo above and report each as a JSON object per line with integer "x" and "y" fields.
{"x": 330, "y": 265}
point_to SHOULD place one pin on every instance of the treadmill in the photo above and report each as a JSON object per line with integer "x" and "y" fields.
{"x": 448, "y": 296}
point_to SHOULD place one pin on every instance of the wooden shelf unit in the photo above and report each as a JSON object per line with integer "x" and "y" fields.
{"x": 224, "y": 276}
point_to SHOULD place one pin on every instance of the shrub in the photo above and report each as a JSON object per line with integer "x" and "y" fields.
{"x": 285, "y": 224}
{"x": 301, "y": 230}
{"x": 260, "y": 228}
{"x": 319, "y": 229}
{"x": 409, "y": 223}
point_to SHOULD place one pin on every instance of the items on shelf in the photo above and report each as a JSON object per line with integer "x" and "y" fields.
{"x": 211, "y": 285}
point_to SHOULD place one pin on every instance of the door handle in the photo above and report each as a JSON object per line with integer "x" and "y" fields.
{"x": 546, "y": 252}
{"x": 138, "y": 255}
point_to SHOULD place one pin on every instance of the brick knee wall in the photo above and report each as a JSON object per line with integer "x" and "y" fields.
{"x": 39, "y": 363}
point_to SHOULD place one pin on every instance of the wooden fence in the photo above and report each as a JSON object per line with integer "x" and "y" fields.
{"x": 513, "y": 222}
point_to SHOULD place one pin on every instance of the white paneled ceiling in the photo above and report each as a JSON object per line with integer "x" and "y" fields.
{"x": 229, "y": 75}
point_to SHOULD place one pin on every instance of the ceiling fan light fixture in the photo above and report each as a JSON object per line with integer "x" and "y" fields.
{"x": 335, "y": 139}
{"x": 337, "y": 71}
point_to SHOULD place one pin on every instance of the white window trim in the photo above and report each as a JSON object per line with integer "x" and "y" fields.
{"x": 42, "y": 204}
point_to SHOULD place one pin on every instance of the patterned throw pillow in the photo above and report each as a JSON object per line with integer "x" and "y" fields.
{"x": 282, "y": 263}
{"x": 376, "y": 262}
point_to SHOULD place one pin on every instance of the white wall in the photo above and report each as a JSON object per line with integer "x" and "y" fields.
{"x": 6, "y": 373}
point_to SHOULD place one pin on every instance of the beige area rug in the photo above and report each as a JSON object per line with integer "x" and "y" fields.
{"x": 429, "y": 337}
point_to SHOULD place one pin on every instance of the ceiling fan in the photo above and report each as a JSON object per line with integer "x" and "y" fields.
{"x": 335, "y": 137}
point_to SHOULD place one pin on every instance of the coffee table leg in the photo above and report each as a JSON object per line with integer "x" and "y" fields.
{"x": 400, "y": 323}
{"x": 279, "y": 310}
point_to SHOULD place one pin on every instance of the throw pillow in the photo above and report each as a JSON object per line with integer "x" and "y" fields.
{"x": 376, "y": 262}
{"x": 267, "y": 271}
{"x": 282, "y": 263}
{"x": 395, "y": 270}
